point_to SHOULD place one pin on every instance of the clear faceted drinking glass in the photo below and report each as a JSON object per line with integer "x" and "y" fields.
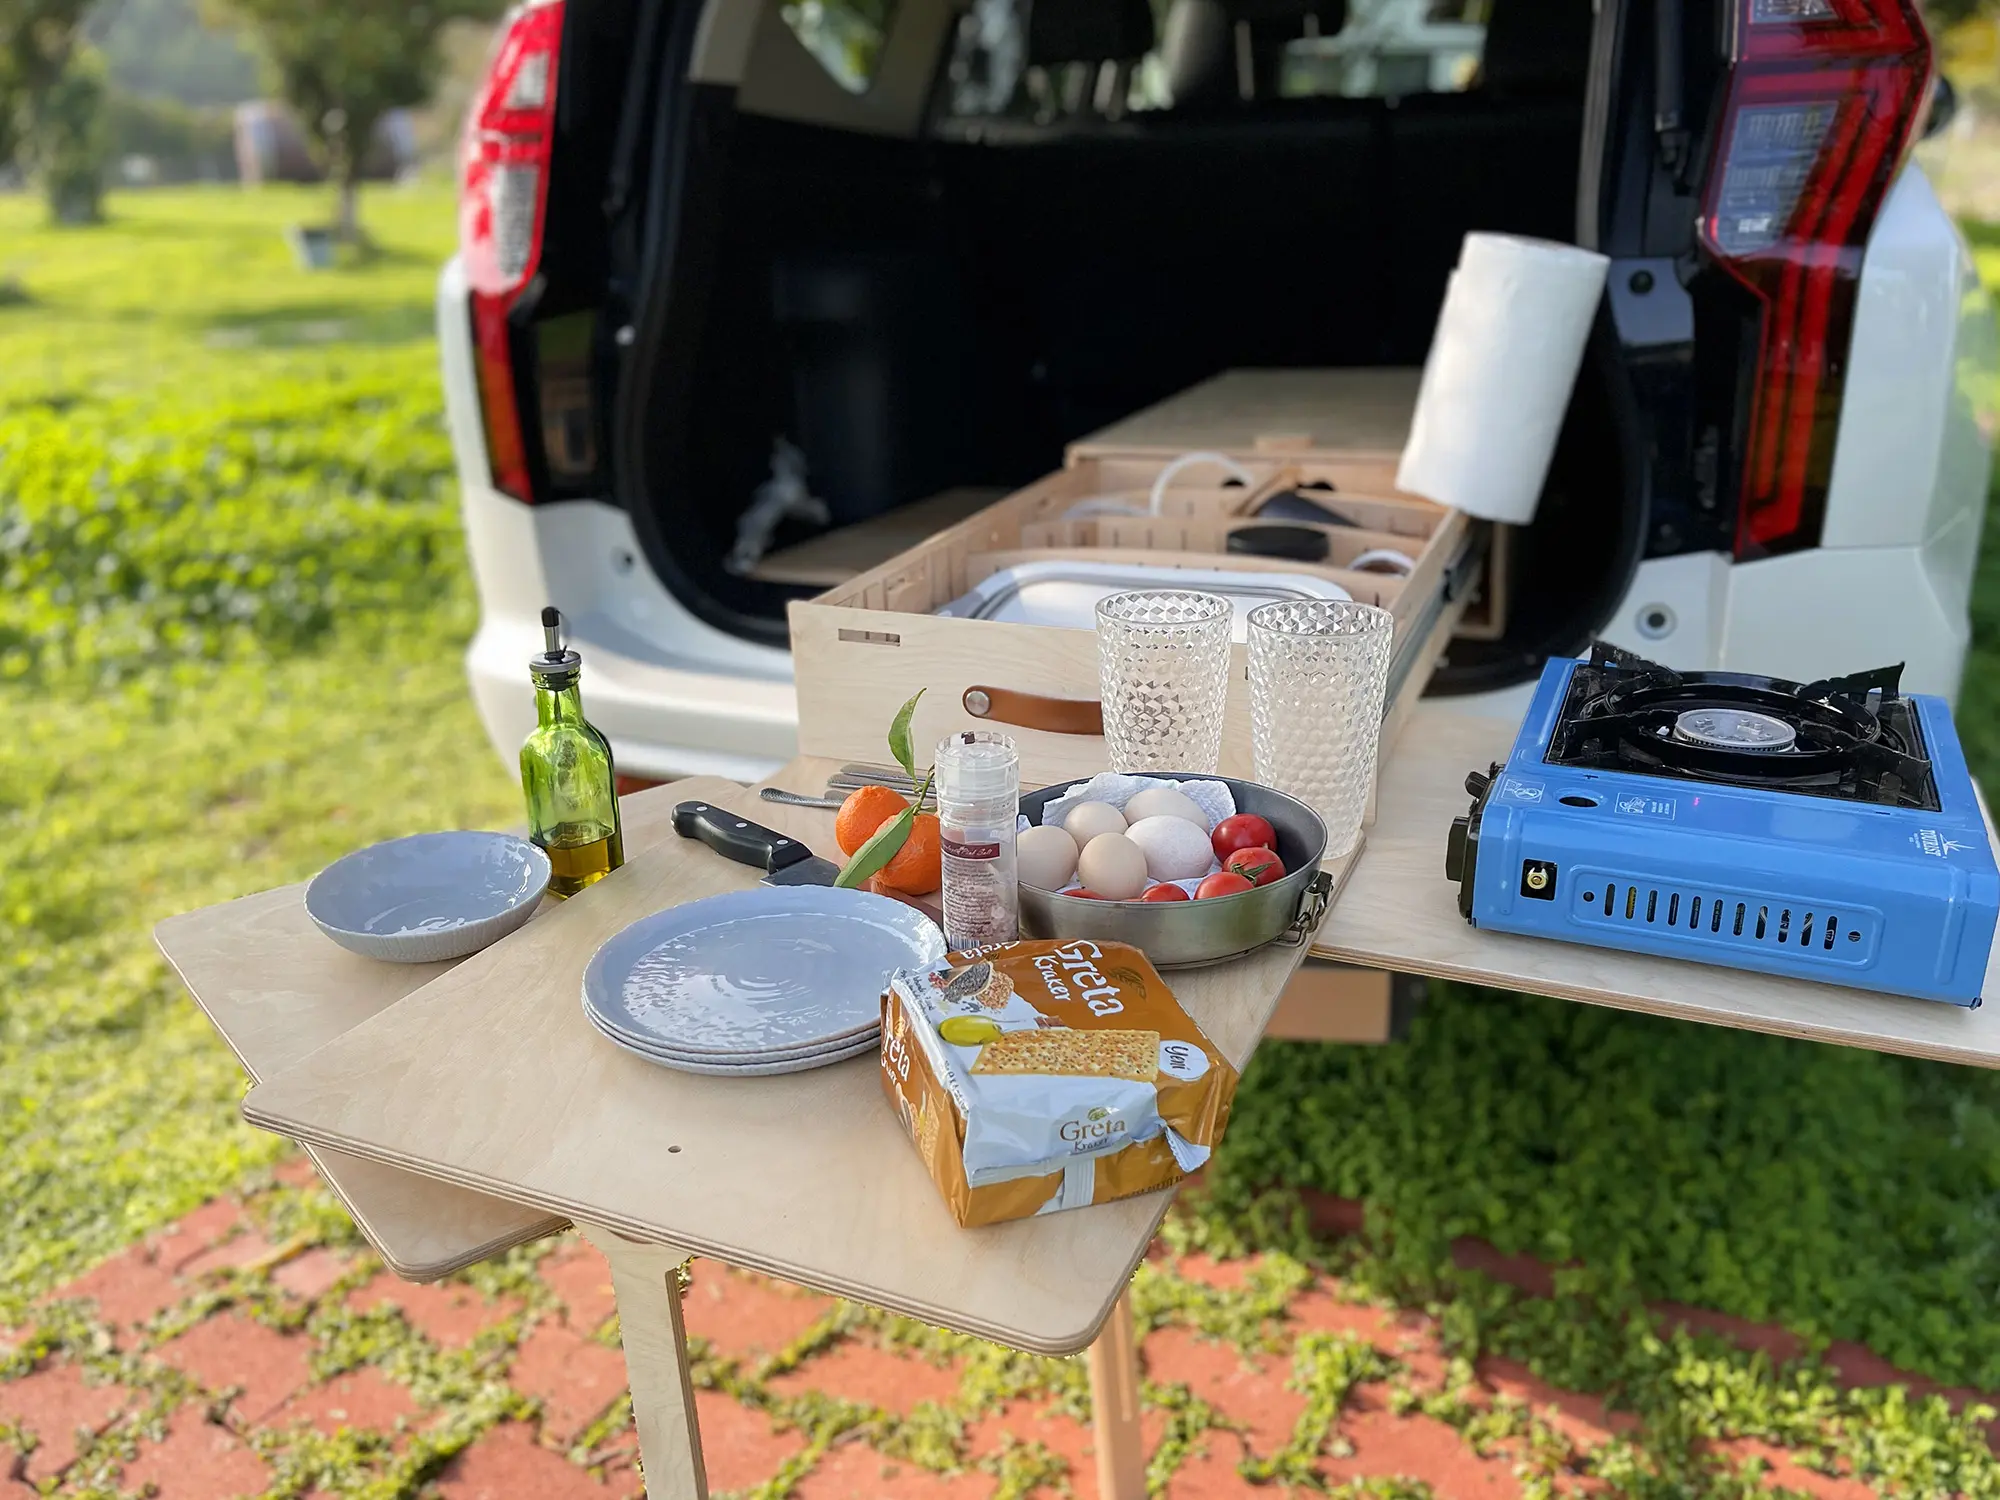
{"x": 1318, "y": 671}
{"x": 1163, "y": 671}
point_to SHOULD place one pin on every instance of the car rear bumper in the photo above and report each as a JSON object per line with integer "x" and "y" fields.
{"x": 675, "y": 696}
{"x": 663, "y": 722}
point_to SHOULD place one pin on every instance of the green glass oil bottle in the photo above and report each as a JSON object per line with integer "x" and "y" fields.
{"x": 566, "y": 773}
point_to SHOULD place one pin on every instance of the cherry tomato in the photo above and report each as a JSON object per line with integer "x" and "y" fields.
{"x": 1164, "y": 893}
{"x": 1222, "y": 883}
{"x": 1242, "y": 831}
{"x": 1261, "y": 866}
{"x": 1084, "y": 894}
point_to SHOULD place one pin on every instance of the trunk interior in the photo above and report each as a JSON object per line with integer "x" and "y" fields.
{"x": 920, "y": 316}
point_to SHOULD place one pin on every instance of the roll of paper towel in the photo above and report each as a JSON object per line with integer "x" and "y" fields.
{"x": 1509, "y": 342}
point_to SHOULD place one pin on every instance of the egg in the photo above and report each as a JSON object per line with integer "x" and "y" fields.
{"x": 1175, "y": 849}
{"x": 1113, "y": 866}
{"x": 1165, "y": 802}
{"x": 1045, "y": 858}
{"x": 1088, "y": 819}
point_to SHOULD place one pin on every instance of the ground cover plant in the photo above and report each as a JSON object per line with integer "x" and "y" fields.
{"x": 232, "y": 600}
{"x": 232, "y": 603}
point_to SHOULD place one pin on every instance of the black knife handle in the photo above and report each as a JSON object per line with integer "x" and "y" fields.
{"x": 738, "y": 838}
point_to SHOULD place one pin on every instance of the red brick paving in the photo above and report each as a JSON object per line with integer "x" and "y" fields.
{"x": 312, "y": 1274}
{"x": 1228, "y": 1275}
{"x": 506, "y": 1463}
{"x": 864, "y": 1372}
{"x": 739, "y": 1443}
{"x": 448, "y": 1314}
{"x": 54, "y": 1403}
{"x": 128, "y": 1289}
{"x": 1780, "y": 1470}
{"x": 579, "y": 1274}
{"x": 363, "y": 1399}
{"x": 1416, "y": 1447}
{"x": 1316, "y": 1311}
{"x": 1583, "y": 1419}
{"x": 747, "y": 1318}
{"x": 575, "y": 1378}
{"x": 1245, "y": 1389}
{"x": 854, "y": 1471}
{"x": 230, "y": 1255}
{"x": 1212, "y": 1475}
{"x": 185, "y": 1238}
{"x": 229, "y": 1349}
{"x": 197, "y": 1461}
{"x": 1036, "y": 1422}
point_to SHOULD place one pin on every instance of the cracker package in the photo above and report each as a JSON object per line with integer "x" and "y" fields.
{"x": 1037, "y": 1076}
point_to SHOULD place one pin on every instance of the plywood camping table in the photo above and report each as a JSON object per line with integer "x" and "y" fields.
{"x": 459, "y": 1108}
{"x": 456, "y": 1109}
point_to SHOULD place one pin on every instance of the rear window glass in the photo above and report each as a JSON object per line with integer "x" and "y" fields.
{"x": 845, "y": 36}
{"x": 1364, "y": 49}
{"x": 1387, "y": 50}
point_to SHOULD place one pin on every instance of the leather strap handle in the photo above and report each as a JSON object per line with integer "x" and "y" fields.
{"x": 1033, "y": 711}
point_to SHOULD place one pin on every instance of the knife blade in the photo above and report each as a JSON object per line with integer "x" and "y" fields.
{"x": 784, "y": 861}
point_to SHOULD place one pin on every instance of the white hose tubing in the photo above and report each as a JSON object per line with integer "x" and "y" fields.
{"x": 1188, "y": 461}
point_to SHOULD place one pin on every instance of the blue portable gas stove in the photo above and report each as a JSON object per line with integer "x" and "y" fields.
{"x": 1826, "y": 830}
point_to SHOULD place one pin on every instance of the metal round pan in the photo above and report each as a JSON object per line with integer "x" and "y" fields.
{"x": 1190, "y": 934}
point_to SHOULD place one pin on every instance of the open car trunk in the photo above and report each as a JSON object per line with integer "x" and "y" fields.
{"x": 929, "y": 321}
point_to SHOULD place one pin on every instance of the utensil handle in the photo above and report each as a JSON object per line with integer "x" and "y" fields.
{"x": 799, "y": 799}
{"x": 1033, "y": 711}
{"x": 737, "y": 838}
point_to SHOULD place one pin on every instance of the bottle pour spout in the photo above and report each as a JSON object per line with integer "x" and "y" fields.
{"x": 557, "y": 665}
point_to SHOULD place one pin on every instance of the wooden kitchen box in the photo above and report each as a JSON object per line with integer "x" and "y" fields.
{"x": 861, "y": 649}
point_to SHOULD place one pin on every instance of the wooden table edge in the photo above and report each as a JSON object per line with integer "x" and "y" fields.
{"x": 1727, "y": 1019}
{"x": 407, "y": 1270}
{"x": 422, "y": 1272}
{"x": 1059, "y": 1345}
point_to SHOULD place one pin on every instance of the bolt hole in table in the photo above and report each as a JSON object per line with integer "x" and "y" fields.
{"x": 457, "y": 1109}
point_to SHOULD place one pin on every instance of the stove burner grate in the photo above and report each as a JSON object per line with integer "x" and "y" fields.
{"x": 1854, "y": 738}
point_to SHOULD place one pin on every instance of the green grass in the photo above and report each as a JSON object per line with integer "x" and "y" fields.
{"x": 230, "y": 634}
{"x": 171, "y": 496}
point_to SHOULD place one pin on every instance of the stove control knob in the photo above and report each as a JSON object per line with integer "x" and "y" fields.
{"x": 1476, "y": 783}
{"x": 1454, "y": 849}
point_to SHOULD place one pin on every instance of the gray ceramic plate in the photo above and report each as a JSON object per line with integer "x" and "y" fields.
{"x": 763, "y": 970}
{"x": 641, "y": 1041}
{"x": 755, "y": 1067}
{"x": 428, "y": 897}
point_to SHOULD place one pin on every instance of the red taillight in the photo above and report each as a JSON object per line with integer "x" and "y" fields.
{"x": 1823, "y": 102}
{"x": 503, "y": 192}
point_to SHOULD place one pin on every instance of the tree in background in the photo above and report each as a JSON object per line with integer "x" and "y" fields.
{"x": 344, "y": 64}
{"x": 52, "y": 104}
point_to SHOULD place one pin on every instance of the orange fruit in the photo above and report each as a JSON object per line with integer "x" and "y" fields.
{"x": 918, "y": 868}
{"x": 866, "y": 809}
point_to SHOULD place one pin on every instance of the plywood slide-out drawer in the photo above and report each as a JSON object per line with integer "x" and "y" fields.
{"x": 863, "y": 648}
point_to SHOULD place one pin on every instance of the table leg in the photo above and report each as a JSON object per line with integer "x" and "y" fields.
{"x": 1114, "y": 1407}
{"x": 646, "y": 1278}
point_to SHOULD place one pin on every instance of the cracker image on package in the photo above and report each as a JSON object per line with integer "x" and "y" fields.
{"x": 1066, "y": 1053}
{"x": 1038, "y": 1076}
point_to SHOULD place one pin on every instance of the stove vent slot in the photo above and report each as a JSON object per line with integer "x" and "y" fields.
{"x": 1807, "y": 929}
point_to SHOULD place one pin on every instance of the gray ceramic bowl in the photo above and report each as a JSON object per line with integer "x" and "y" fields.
{"x": 428, "y": 897}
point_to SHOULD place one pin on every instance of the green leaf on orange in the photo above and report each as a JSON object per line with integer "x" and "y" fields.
{"x": 883, "y": 845}
{"x": 899, "y": 736}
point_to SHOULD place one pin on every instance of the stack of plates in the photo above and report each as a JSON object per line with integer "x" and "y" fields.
{"x": 771, "y": 980}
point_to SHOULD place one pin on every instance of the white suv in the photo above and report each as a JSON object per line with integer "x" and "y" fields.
{"x": 918, "y": 246}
